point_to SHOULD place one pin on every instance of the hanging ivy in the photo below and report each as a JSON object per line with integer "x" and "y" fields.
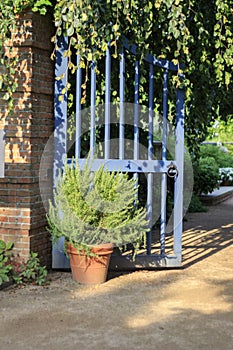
{"x": 195, "y": 32}
{"x": 9, "y": 11}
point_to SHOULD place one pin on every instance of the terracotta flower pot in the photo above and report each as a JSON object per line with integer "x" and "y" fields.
{"x": 90, "y": 270}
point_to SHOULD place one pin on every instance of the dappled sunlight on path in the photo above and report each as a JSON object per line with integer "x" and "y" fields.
{"x": 179, "y": 309}
{"x": 184, "y": 295}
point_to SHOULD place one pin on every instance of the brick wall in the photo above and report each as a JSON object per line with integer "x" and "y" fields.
{"x": 22, "y": 214}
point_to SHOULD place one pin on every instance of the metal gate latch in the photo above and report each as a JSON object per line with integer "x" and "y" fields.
{"x": 172, "y": 170}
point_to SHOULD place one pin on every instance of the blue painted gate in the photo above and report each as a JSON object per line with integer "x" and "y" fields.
{"x": 161, "y": 168}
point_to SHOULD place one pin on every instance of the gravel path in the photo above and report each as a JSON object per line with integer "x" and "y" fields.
{"x": 188, "y": 308}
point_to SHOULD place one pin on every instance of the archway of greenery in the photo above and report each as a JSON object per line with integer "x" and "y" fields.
{"x": 195, "y": 32}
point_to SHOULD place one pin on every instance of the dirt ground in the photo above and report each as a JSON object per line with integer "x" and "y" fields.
{"x": 188, "y": 308}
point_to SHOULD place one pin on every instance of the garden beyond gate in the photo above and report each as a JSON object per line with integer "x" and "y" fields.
{"x": 129, "y": 132}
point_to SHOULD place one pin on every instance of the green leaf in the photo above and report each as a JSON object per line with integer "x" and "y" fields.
{"x": 2, "y": 245}
{"x": 70, "y": 31}
{"x": 9, "y": 245}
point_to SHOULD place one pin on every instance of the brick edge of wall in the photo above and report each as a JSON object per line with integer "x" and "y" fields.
{"x": 22, "y": 214}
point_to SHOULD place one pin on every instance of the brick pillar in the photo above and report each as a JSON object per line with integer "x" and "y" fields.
{"x": 22, "y": 214}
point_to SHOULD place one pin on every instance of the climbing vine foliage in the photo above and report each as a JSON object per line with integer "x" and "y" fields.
{"x": 198, "y": 33}
{"x": 173, "y": 29}
{"x": 9, "y": 13}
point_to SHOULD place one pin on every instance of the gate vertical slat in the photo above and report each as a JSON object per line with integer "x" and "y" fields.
{"x": 60, "y": 107}
{"x": 150, "y": 156}
{"x": 78, "y": 109}
{"x": 107, "y": 103}
{"x": 136, "y": 102}
{"x": 122, "y": 100}
{"x": 178, "y": 187}
{"x": 136, "y": 119}
{"x": 93, "y": 110}
{"x": 164, "y": 158}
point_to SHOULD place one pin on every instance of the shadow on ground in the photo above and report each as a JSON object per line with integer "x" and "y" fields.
{"x": 189, "y": 308}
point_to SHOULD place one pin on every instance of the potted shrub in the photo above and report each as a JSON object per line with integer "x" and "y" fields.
{"x": 94, "y": 212}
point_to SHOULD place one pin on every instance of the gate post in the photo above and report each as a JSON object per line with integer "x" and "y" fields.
{"x": 59, "y": 258}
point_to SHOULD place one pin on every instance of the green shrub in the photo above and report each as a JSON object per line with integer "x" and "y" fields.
{"x": 230, "y": 149}
{"x": 30, "y": 271}
{"x": 206, "y": 175}
{"x": 96, "y": 208}
{"x": 5, "y": 267}
{"x": 222, "y": 159}
{"x": 12, "y": 267}
{"x": 196, "y": 206}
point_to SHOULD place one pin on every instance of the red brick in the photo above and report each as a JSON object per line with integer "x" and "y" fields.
{"x": 27, "y": 131}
